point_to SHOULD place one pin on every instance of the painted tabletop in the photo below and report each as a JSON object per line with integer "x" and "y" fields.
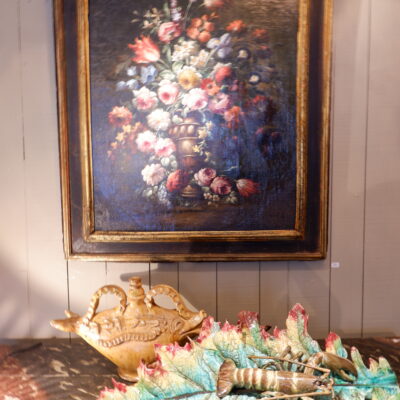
{"x": 63, "y": 369}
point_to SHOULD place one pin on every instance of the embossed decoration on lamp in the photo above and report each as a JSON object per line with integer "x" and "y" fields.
{"x": 127, "y": 333}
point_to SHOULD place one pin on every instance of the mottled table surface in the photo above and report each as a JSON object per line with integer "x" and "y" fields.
{"x": 62, "y": 369}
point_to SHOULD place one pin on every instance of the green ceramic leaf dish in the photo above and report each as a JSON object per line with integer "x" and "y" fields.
{"x": 191, "y": 371}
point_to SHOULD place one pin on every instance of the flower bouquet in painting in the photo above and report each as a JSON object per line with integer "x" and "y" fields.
{"x": 200, "y": 117}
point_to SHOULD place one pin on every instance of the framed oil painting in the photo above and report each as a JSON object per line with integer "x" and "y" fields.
{"x": 194, "y": 129}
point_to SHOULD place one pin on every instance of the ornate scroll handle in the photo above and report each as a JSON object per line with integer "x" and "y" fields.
{"x": 174, "y": 295}
{"x": 94, "y": 301}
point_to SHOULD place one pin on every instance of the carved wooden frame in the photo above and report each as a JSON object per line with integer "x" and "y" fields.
{"x": 308, "y": 239}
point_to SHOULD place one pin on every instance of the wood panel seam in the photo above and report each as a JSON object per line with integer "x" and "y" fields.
{"x": 366, "y": 161}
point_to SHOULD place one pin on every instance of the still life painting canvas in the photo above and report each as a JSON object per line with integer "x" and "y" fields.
{"x": 193, "y": 132}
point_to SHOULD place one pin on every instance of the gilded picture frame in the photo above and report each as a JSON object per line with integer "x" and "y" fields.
{"x": 189, "y": 228}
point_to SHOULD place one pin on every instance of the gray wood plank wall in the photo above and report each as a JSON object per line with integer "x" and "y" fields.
{"x": 360, "y": 296}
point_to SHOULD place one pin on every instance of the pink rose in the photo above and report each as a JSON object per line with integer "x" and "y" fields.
{"x": 164, "y": 147}
{"x": 146, "y": 141}
{"x": 220, "y": 103}
{"x": 196, "y": 99}
{"x": 221, "y": 185}
{"x": 169, "y": 31}
{"x": 168, "y": 92}
{"x": 205, "y": 176}
{"x": 177, "y": 180}
{"x": 247, "y": 187}
{"x": 153, "y": 174}
{"x": 144, "y": 99}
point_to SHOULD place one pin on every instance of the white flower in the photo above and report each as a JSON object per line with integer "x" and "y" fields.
{"x": 159, "y": 119}
{"x": 196, "y": 99}
{"x": 184, "y": 50}
{"x": 200, "y": 60}
{"x": 168, "y": 91}
{"x": 153, "y": 174}
{"x": 131, "y": 71}
{"x": 177, "y": 120}
{"x": 144, "y": 99}
{"x": 164, "y": 147}
{"x": 146, "y": 141}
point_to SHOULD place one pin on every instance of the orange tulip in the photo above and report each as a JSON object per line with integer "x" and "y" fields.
{"x": 146, "y": 51}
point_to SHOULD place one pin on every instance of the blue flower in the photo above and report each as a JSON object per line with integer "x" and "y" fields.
{"x": 222, "y": 45}
{"x": 148, "y": 74}
{"x": 132, "y": 84}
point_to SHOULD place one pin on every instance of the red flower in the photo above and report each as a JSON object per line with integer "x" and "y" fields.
{"x": 259, "y": 33}
{"x": 221, "y": 185}
{"x": 196, "y": 22}
{"x": 200, "y": 29}
{"x": 236, "y": 26}
{"x": 247, "y": 187}
{"x": 214, "y": 3}
{"x": 232, "y": 117}
{"x": 260, "y": 102}
{"x": 120, "y": 116}
{"x": 146, "y": 51}
{"x": 168, "y": 31}
{"x": 210, "y": 86}
{"x": 205, "y": 176}
{"x": 222, "y": 73}
{"x": 204, "y": 36}
{"x": 177, "y": 180}
{"x": 209, "y": 26}
{"x": 192, "y": 32}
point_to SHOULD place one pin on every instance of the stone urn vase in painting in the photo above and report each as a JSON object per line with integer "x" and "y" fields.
{"x": 187, "y": 140}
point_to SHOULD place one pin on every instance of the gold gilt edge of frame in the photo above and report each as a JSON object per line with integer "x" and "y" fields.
{"x": 326, "y": 125}
{"x": 303, "y": 47}
{"x": 226, "y": 236}
{"x": 89, "y": 233}
{"x": 59, "y": 29}
{"x": 178, "y": 257}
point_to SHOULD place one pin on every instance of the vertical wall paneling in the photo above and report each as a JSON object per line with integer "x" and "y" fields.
{"x": 309, "y": 286}
{"x": 349, "y": 118}
{"x": 382, "y": 218}
{"x": 84, "y": 279}
{"x": 13, "y": 257}
{"x": 198, "y": 285}
{"x": 238, "y": 289}
{"x": 167, "y": 274}
{"x": 119, "y": 274}
{"x": 274, "y": 293}
{"x": 12, "y": 211}
{"x": 360, "y": 296}
{"x": 47, "y": 267}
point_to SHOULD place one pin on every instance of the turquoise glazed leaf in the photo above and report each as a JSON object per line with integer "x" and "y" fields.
{"x": 191, "y": 372}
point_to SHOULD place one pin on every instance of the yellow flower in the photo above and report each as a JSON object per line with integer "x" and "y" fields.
{"x": 188, "y": 78}
{"x": 196, "y": 149}
{"x": 120, "y": 136}
{"x": 202, "y": 133}
{"x": 127, "y": 128}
